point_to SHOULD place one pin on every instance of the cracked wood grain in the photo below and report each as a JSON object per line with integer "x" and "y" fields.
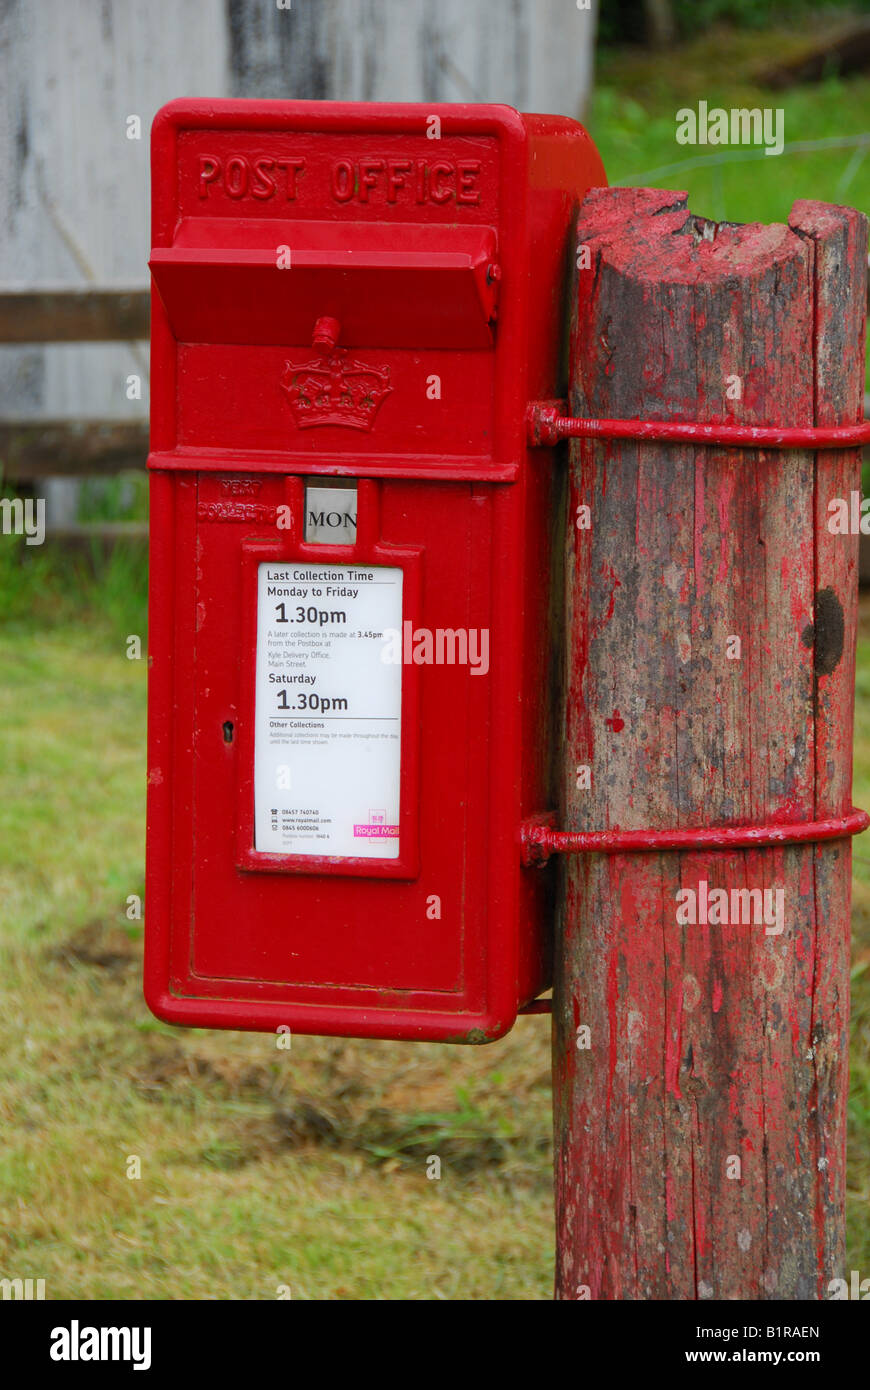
{"x": 700, "y": 1137}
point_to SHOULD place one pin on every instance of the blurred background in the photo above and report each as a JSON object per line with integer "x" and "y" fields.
{"x": 262, "y": 1167}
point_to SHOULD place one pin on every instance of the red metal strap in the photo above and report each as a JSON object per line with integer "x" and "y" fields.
{"x": 540, "y": 840}
{"x": 548, "y": 424}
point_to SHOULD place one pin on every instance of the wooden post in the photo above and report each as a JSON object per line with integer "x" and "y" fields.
{"x": 700, "y": 1066}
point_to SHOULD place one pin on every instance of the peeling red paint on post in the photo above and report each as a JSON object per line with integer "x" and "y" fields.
{"x": 700, "y": 1134}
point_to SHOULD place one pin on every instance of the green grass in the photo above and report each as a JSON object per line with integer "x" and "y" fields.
{"x": 73, "y": 716}
{"x": 633, "y": 121}
{"x": 259, "y": 1167}
{"x": 47, "y": 587}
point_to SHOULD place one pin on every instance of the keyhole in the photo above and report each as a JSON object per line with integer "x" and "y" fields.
{"x": 228, "y": 731}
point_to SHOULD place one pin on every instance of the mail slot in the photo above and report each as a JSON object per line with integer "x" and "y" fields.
{"x": 353, "y": 648}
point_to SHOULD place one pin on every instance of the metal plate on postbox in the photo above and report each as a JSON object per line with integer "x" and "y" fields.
{"x": 330, "y": 515}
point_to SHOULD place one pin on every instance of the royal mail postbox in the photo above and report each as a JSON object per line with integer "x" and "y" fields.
{"x": 353, "y": 658}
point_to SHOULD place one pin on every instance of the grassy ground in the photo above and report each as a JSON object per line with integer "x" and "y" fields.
{"x": 259, "y": 1167}
{"x": 632, "y": 119}
{"x": 262, "y": 1168}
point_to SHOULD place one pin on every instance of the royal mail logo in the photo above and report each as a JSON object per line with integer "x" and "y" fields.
{"x": 377, "y": 829}
{"x": 334, "y": 389}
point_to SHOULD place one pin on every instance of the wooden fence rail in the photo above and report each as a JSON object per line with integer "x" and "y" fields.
{"x": 73, "y": 315}
{"x": 31, "y": 449}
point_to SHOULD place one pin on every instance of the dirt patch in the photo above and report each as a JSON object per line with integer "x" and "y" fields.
{"x": 102, "y": 945}
{"x": 306, "y": 1123}
{"x": 167, "y": 1066}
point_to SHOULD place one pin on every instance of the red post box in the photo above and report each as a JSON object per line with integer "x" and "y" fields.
{"x": 353, "y": 658}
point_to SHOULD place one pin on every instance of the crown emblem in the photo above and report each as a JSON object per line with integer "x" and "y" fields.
{"x": 333, "y": 389}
